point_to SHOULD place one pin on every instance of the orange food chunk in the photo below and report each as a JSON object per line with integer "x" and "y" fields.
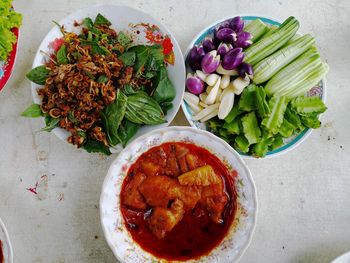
{"x": 202, "y": 176}
{"x": 132, "y": 196}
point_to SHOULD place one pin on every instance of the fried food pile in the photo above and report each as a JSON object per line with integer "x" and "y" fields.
{"x": 172, "y": 186}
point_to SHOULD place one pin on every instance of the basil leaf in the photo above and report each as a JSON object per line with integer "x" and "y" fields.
{"x": 33, "y": 111}
{"x": 148, "y": 58}
{"x": 93, "y": 146}
{"x": 62, "y": 55}
{"x": 127, "y": 130}
{"x": 51, "y": 123}
{"x": 123, "y": 39}
{"x": 165, "y": 90}
{"x": 38, "y": 75}
{"x": 166, "y": 106}
{"x": 113, "y": 116}
{"x": 87, "y": 22}
{"x": 99, "y": 49}
{"x": 142, "y": 109}
{"x": 101, "y": 20}
{"x": 102, "y": 79}
{"x": 128, "y": 58}
{"x": 128, "y": 89}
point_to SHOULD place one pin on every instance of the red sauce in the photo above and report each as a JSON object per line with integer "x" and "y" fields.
{"x": 1, "y": 255}
{"x": 194, "y": 236}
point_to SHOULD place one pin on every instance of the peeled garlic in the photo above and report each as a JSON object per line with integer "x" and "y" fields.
{"x": 189, "y": 97}
{"x": 225, "y": 81}
{"x": 203, "y": 104}
{"x": 225, "y": 91}
{"x": 226, "y": 104}
{"x": 217, "y": 99}
{"x": 195, "y": 108}
{"x": 205, "y": 112}
{"x": 212, "y": 79}
{"x": 213, "y": 93}
{"x": 209, "y": 88}
{"x": 209, "y": 116}
{"x": 223, "y": 71}
{"x": 239, "y": 84}
{"x": 201, "y": 75}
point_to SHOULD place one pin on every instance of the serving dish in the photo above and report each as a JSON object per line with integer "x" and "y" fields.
{"x": 241, "y": 230}
{"x": 288, "y": 143}
{"x": 144, "y": 30}
{"x": 6, "y": 243}
{"x": 345, "y": 258}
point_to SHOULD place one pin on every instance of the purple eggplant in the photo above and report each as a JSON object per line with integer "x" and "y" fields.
{"x": 243, "y": 40}
{"x": 237, "y": 24}
{"x": 233, "y": 58}
{"x": 245, "y": 69}
{"x": 223, "y": 48}
{"x": 208, "y": 44}
{"x": 226, "y": 35}
{"x": 194, "y": 85}
{"x": 210, "y": 62}
{"x": 195, "y": 57}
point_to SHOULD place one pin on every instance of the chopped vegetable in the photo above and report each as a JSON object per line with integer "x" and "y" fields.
{"x": 251, "y": 128}
{"x": 237, "y": 24}
{"x": 226, "y": 104}
{"x": 223, "y": 48}
{"x": 256, "y": 28}
{"x": 308, "y": 105}
{"x": 274, "y": 121}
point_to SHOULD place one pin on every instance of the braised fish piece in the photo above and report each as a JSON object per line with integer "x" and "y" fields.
{"x": 132, "y": 196}
{"x": 192, "y": 161}
{"x": 150, "y": 168}
{"x": 180, "y": 153}
{"x": 202, "y": 176}
{"x": 164, "y": 220}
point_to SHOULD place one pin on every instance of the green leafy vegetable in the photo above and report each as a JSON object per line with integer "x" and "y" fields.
{"x": 293, "y": 118}
{"x": 263, "y": 109}
{"x": 234, "y": 127}
{"x": 101, "y": 20}
{"x": 166, "y": 106}
{"x": 273, "y": 122}
{"x": 33, "y": 111}
{"x": 38, "y": 75}
{"x": 242, "y": 143}
{"x": 311, "y": 121}
{"x": 247, "y": 100}
{"x": 62, "y": 55}
{"x": 251, "y": 128}
{"x": 93, "y": 146}
{"x": 51, "y": 123}
{"x": 128, "y": 58}
{"x": 127, "y": 130}
{"x": 233, "y": 113}
{"x": 113, "y": 116}
{"x": 8, "y": 19}
{"x": 306, "y": 105}
{"x": 148, "y": 58}
{"x": 142, "y": 109}
{"x": 286, "y": 129}
{"x": 102, "y": 79}
{"x": 123, "y": 39}
{"x": 165, "y": 90}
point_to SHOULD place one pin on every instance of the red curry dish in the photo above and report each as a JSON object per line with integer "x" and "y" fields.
{"x": 1, "y": 254}
{"x": 178, "y": 201}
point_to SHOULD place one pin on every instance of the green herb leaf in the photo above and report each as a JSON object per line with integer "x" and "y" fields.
{"x": 128, "y": 58}
{"x": 113, "y": 116}
{"x": 123, "y": 39}
{"x": 102, "y": 79}
{"x": 166, "y": 106}
{"x": 38, "y": 75}
{"x": 165, "y": 90}
{"x": 33, "y": 111}
{"x": 101, "y": 20}
{"x": 51, "y": 123}
{"x": 93, "y": 146}
{"x": 148, "y": 58}
{"x": 127, "y": 130}
{"x": 128, "y": 89}
{"x": 142, "y": 109}
{"x": 62, "y": 55}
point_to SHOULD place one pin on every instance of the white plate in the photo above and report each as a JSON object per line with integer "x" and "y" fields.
{"x": 345, "y": 258}
{"x": 121, "y": 17}
{"x": 6, "y": 243}
{"x": 289, "y": 143}
{"x": 118, "y": 237}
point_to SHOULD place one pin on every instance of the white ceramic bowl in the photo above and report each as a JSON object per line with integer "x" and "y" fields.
{"x": 289, "y": 143}
{"x": 118, "y": 237}
{"x": 6, "y": 243}
{"x": 121, "y": 17}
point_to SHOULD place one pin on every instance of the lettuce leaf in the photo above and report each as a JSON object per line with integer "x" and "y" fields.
{"x": 274, "y": 121}
{"x": 308, "y": 105}
{"x": 263, "y": 108}
{"x": 247, "y": 99}
{"x": 251, "y": 128}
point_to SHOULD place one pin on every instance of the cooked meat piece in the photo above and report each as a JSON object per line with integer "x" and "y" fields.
{"x": 202, "y": 176}
{"x": 214, "y": 198}
{"x": 180, "y": 153}
{"x": 150, "y": 168}
{"x": 158, "y": 190}
{"x": 164, "y": 220}
{"x": 192, "y": 161}
{"x": 173, "y": 167}
{"x": 132, "y": 196}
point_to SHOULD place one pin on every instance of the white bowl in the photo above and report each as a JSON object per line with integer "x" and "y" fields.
{"x": 121, "y": 18}
{"x": 6, "y": 243}
{"x": 288, "y": 143}
{"x": 239, "y": 234}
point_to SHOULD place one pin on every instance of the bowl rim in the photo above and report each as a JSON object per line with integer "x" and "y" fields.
{"x": 7, "y": 241}
{"x": 300, "y": 138}
{"x": 70, "y": 16}
{"x": 213, "y": 137}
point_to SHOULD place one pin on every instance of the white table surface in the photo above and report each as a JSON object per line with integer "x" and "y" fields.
{"x": 304, "y": 196}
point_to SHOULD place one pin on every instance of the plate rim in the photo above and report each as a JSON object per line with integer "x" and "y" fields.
{"x": 190, "y": 129}
{"x": 300, "y": 138}
{"x": 8, "y": 241}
